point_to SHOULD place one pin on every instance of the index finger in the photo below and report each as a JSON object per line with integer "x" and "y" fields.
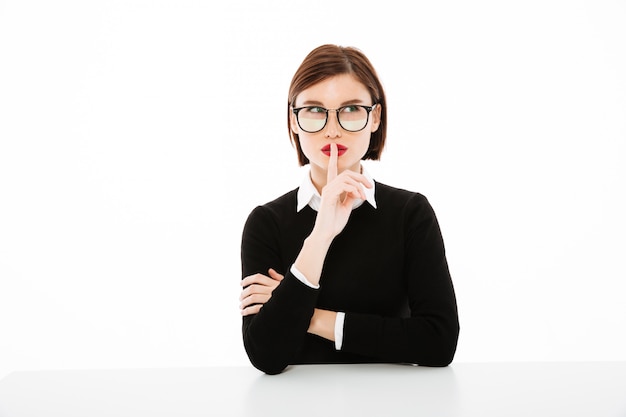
{"x": 255, "y": 279}
{"x": 332, "y": 163}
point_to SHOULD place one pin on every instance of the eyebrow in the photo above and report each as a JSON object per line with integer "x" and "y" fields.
{"x": 319, "y": 103}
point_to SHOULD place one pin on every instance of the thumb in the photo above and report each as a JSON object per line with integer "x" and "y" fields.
{"x": 275, "y": 275}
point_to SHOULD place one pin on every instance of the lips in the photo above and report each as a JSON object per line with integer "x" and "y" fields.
{"x": 340, "y": 149}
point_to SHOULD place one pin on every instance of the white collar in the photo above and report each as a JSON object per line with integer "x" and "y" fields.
{"x": 308, "y": 195}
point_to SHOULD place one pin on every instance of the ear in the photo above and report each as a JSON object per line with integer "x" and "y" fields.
{"x": 376, "y": 112}
{"x": 293, "y": 123}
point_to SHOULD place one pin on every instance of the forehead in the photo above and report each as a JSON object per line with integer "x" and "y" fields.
{"x": 335, "y": 91}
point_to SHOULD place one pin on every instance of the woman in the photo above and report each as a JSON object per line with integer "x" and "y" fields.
{"x": 344, "y": 269}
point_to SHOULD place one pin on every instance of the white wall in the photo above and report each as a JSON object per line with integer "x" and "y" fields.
{"x": 136, "y": 136}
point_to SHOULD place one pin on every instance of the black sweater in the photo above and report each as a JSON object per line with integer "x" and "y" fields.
{"x": 386, "y": 270}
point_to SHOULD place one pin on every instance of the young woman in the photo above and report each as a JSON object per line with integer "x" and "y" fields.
{"x": 344, "y": 269}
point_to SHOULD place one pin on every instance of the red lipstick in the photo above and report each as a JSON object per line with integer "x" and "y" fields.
{"x": 340, "y": 149}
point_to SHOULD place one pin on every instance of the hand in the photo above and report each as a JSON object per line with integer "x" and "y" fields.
{"x": 338, "y": 195}
{"x": 335, "y": 208}
{"x": 257, "y": 289}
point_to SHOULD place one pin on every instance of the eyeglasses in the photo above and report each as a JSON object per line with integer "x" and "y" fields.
{"x": 352, "y": 118}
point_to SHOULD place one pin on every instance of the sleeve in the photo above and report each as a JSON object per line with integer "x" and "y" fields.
{"x": 273, "y": 336}
{"x": 429, "y": 336}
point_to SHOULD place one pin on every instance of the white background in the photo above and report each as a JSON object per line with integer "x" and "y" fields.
{"x": 136, "y": 136}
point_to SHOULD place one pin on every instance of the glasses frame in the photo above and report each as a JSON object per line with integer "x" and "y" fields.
{"x": 368, "y": 109}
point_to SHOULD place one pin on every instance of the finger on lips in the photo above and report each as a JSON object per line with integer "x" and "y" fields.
{"x": 332, "y": 163}
{"x": 332, "y": 171}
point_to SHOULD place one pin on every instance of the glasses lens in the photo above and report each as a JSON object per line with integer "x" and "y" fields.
{"x": 353, "y": 118}
{"x": 312, "y": 119}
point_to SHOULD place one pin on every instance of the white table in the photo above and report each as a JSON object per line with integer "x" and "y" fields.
{"x": 589, "y": 389}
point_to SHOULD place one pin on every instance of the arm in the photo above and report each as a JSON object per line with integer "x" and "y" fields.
{"x": 335, "y": 208}
{"x": 273, "y": 328}
{"x": 274, "y": 332}
{"x": 429, "y": 336}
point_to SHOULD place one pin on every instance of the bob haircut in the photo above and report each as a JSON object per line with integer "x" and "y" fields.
{"x": 327, "y": 61}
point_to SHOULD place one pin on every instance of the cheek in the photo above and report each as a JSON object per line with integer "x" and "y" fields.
{"x": 306, "y": 145}
{"x": 366, "y": 142}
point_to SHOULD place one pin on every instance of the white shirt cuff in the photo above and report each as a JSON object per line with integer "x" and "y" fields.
{"x": 339, "y": 330}
{"x": 302, "y": 278}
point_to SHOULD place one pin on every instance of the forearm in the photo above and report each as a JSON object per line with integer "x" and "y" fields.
{"x": 422, "y": 340}
{"x": 310, "y": 260}
{"x": 274, "y": 335}
{"x": 309, "y": 263}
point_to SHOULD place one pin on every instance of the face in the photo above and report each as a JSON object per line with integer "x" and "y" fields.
{"x": 332, "y": 93}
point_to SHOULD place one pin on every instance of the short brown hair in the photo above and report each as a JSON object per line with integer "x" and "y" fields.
{"x": 327, "y": 61}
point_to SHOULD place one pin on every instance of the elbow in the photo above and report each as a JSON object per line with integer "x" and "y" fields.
{"x": 268, "y": 368}
{"x": 267, "y": 362}
{"x": 438, "y": 360}
{"x": 441, "y": 352}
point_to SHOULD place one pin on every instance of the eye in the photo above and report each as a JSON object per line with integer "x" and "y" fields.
{"x": 315, "y": 109}
{"x": 350, "y": 109}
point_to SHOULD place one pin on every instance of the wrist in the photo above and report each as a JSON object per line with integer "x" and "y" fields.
{"x": 323, "y": 324}
{"x": 319, "y": 239}
{"x": 310, "y": 260}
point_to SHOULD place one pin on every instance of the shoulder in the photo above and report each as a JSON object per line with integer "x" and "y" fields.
{"x": 388, "y": 197}
{"x": 276, "y": 209}
{"x": 286, "y": 203}
{"x": 412, "y": 209}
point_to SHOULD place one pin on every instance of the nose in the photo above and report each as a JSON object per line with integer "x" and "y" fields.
{"x": 332, "y": 128}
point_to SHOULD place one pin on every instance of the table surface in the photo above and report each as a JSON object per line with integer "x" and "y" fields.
{"x": 570, "y": 389}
